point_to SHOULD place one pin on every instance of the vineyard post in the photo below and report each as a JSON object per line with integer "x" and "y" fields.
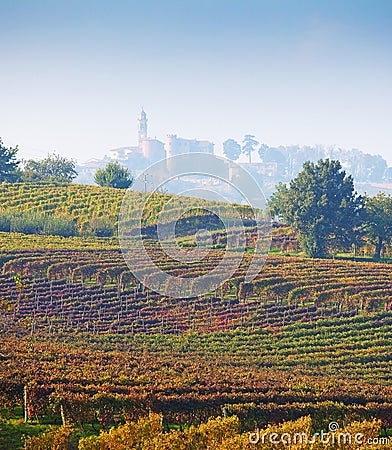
{"x": 32, "y": 326}
{"x": 211, "y": 312}
{"x": 26, "y": 416}
{"x": 62, "y": 414}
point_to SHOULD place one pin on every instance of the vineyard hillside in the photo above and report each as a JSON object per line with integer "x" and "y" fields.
{"x": 80, "y": 202}
{"x": 84, "y": 202}
{"x": 87, "y": 344}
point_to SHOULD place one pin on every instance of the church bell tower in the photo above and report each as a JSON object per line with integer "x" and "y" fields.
{"x": 142, "y": 127}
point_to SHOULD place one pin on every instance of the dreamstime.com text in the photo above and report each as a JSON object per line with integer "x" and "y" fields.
{"x": 333, "y": 436}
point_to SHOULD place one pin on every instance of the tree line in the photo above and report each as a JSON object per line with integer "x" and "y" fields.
{"x": 233, "y": 150}
{"x": 290, "y": 159}
{"x": 56, "y": 169}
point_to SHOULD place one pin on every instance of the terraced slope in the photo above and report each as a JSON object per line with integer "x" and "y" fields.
{"x": 333, "y": 369}
{"x": 94, "y": 290}
{"x": 82, "y": 202}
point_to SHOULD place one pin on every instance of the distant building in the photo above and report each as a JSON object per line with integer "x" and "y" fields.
{"x": 177, "y": 146}
{"x": 142, "y": 127}
{"x": 87, "y": 170}
{"x": 267, "y": 169}
{"x": 122, "y": 153}
{"x": 153, "y": 150}
{"x": 147, "y": 151}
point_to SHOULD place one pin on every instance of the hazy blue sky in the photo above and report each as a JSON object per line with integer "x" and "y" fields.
{"x": 74, "y": 74}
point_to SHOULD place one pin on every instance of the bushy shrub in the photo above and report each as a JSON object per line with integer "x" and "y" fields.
{"x": 224, "y": 434}
{"x": 59, "y": 226}
{"x": 33, "y": 222}
{"x": 102, "y": 227}
{"x": 5, "y": 221}
{"x": 29, "y": 222}
{"x": 58, "y": 439}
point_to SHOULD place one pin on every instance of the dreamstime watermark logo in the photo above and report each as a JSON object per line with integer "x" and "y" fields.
{"x": 206, "y": 186}
{"x": 331, "y": 437}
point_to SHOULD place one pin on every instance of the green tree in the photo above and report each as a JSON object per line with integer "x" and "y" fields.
{"x": 278, "y": 201}
{"x": 232, "y": 149}
{"x": 378, "y": 221}
{"x": 249, "y": 145}
{"x": 8, "y": 164}
{"x": 114, "y": 175}
{"x": 264, "y": 149}
{"x": 53, "y": 168}
{"x": 322, "y": 206}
